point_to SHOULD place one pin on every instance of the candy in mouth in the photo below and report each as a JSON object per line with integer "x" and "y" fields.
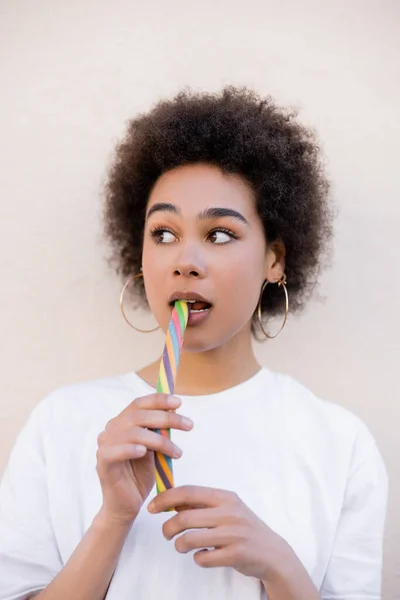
{"x": 195, "y": 305}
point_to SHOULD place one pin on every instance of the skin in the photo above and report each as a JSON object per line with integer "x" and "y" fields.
{"x": 218, "y": 518}
{"x": 216, "y": 355}
{"x": 219, "y": 353}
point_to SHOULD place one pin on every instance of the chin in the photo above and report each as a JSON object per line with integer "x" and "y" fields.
{"x": 197, "y": 346}
{"x": 199, "y": 341}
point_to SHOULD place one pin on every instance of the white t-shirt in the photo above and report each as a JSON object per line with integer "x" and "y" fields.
{"x": 309, "y": 468}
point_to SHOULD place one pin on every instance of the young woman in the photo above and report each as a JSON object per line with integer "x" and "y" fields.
{"x": 221, "y": 200}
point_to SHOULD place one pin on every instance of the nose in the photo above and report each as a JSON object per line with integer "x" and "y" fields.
{"x": 189, "y": 264}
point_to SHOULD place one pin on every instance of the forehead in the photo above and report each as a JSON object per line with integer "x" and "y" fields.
{"x": 192, "y": 187}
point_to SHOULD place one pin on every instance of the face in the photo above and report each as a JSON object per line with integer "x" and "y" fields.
{"x": 203, "y": 235}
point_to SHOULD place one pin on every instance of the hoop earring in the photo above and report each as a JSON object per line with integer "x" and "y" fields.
{"x": 121, "y": 303}
{"x": 281, "y": 282}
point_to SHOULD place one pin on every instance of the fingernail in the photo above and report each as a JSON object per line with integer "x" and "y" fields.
{"x": 140, "y": 449}
{"x": 174, "y": 401}
{"x": 177, "y": 452}
{"x": 187, "y": 422}
{"x": 151, "y": 507}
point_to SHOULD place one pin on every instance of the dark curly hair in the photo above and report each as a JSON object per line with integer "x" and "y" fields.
{"x": 241, "y": 133}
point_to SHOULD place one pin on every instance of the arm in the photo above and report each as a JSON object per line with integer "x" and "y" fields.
{"x": 29, "y": 554}
{"x": 31, "y": 561}
{"x": 355, "y": 566}
{"x": 234, "y": 537}
{"x": 293, "y": 583}
{"x": 87, "y": 574}
{"x": 31, "y": 564}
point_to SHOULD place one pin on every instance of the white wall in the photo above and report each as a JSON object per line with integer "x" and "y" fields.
{"x": 73, "y": 72}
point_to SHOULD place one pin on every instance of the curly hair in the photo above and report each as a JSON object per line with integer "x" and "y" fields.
{"x": 241, "y": 133}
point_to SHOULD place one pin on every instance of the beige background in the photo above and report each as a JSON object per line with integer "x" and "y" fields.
{"x": 73, "y": 72}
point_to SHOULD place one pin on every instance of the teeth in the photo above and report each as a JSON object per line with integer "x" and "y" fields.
{"x": 188, "y": 302}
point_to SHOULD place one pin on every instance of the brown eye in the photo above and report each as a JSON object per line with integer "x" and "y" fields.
{"x": 222, "y": 236}
{"x": 157, "y": 235}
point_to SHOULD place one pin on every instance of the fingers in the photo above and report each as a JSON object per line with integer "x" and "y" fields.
{"x": 157, "y": 401}
{"x": 134, "y": 440}
{"x": 155, "y": 441}
{"x": 221, "y": 557}
{"x": 156, "y": 411}
{"x": 191, "y": 519}
{"x": 160, "y": 419}
{"x": 190, "y": 496}
{"x": 129, "y": 435}
{"x": 204, "y": 538}
{"x": 108, "y": 455}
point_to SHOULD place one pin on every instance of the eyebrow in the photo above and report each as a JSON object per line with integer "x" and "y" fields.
{"x": 204, "y": 215}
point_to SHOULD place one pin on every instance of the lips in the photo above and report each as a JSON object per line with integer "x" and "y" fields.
{"x": 194, "y": 298}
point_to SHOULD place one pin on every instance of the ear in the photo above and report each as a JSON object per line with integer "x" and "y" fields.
{"x": 275, "y": 261}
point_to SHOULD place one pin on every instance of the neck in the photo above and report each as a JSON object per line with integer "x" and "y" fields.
{"x": 212, "y": 371}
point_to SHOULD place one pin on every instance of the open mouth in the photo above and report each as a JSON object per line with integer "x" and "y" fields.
{"x": 195, "y": 306}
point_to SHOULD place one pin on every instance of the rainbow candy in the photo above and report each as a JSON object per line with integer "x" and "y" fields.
{"x": 166, "y": 384}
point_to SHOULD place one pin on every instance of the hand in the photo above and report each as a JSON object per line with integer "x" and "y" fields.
{"x": 125, "y": 455}
{"x": 236, "y": 536}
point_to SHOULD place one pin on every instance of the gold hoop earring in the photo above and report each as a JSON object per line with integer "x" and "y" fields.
{"x": 281, "y": 282}
{"x": 121, "y": 303}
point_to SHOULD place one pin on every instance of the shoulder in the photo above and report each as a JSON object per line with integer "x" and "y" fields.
{"x": 301, "y": 402}
{"x": 87, "y": 401}
{"x": 321, "y": 423}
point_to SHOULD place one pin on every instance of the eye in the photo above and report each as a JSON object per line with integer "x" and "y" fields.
{"x": 223, "y": 232}
{"x": 221, "y": 235}
{"x": 157, "y": 234}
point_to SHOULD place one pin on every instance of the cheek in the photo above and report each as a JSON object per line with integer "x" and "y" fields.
{"x": 247, "y": 297}
{"x": 152, "y": 287}
{"x": 243, "y": 276}
{"x": 154, "y": 268}
{"x": 239, "y": 292}
{"x": 148, "y": 251}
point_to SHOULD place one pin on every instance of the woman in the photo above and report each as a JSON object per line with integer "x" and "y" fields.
{"x": 219, "y": 200}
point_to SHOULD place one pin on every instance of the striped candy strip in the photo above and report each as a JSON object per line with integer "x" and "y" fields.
{"x": 166, "y": 384}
